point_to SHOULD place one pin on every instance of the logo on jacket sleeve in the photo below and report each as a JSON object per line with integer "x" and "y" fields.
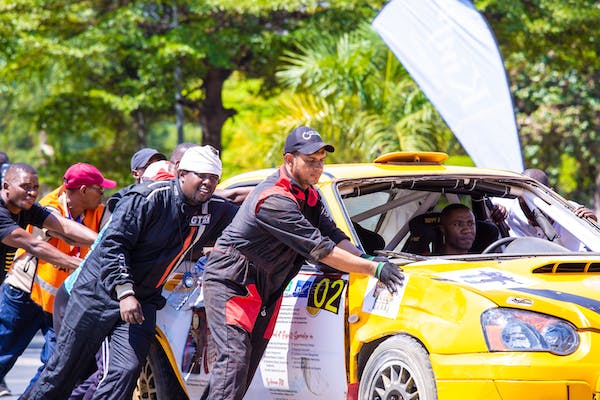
{"x": 198, "y": 220}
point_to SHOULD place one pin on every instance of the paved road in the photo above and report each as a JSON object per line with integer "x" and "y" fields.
{"x": 25, "y": 368}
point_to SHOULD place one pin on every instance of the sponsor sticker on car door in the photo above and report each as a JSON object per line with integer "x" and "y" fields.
{"x": 305, "y": 358}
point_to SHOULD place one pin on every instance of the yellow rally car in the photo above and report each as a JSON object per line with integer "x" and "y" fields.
{"x": 517, "y": 318}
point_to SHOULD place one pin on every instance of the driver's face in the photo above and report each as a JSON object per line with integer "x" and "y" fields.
{"x": 458, "y": 229}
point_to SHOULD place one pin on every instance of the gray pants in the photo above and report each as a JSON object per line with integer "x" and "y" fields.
{"x": 241, "y": 327}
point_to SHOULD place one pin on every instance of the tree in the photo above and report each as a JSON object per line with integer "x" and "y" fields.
{"x": 356, "y": 93}
{"x": 102, "y": 78}
{"x": 111, "y": 70}
{"x": 551, "y": 52}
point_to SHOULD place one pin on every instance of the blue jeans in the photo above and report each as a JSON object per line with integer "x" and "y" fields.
{"x": 20, "y": 319}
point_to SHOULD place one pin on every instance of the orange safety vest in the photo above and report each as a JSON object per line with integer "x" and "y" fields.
{"x": 49, "y": 277}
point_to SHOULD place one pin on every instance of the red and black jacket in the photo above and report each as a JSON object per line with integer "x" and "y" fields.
{"x": 278, "y": 227}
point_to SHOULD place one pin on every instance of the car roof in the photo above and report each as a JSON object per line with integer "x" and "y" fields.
{"x": 393, "y": 164}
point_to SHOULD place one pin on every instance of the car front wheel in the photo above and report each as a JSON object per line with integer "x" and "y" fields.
{"x": 398, "y": 369}
{"x": 157, "y": 380}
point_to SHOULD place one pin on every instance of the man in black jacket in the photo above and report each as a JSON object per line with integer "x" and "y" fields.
{"x": 116, "y": 295}
{"x": 281, "y": 223}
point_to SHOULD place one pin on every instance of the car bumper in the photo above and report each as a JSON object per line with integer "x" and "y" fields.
{"x": 518, "y": 376}
{"x": 513, "y": 390}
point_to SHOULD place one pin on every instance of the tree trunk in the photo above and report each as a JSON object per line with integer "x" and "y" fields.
{"x": 177, "y": 75}
{"x": 140, "y": 126}
{"x": 178, "y": 106}
{"x": 596, "y": 204}
{"x": 212, "y": 114}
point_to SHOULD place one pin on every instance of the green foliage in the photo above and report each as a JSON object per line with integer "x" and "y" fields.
{"x": 551, "y": 52}
{"x": 107, "y": 73}
{"x": 562, "y": 32}
{"x": 247, "y": 137}
{"x": 95, "y": 80}
{"x": 356, "y": 94}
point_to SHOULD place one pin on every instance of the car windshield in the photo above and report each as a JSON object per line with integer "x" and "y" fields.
{"x": 401, "y": 215}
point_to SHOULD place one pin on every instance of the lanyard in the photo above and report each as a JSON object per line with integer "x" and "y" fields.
{"x": 75, "y": 250}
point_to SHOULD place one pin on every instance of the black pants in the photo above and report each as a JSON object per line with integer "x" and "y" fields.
{"x": 86, "y": 389}
{"x": 60, "y": 305}
{"x": 88, "y": 320}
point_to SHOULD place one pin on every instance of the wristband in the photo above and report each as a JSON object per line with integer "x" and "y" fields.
{"x": 126, "y": 295}
{"x": 367, "y": 257}
{"x": 124, "y": 289}
{"x": 378, "y": 269}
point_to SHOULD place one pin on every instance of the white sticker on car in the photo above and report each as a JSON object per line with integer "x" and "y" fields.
{"x": 487, "y": 278}
{"x": 305, "y": 358}
{"x": 379, "y": 301}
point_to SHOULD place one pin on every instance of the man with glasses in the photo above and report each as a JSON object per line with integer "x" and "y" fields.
{"x": 280, "y": 224}
{"x": 18, "y": 209}
{"x": 154, "y": 227}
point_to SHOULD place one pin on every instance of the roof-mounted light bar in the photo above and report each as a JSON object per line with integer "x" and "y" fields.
{"x": 435, "y": 157}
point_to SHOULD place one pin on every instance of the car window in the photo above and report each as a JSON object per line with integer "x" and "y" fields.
{"x": 360, "y": 204}
{"x": 386, "y": 207}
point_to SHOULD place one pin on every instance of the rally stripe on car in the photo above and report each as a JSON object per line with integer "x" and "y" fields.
{"x": 585, "y": 302}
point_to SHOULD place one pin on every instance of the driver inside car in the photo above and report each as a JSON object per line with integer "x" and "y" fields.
{"x": 457, "y": 227}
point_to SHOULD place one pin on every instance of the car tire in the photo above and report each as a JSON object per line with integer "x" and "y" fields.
{"x": 399, "y": 368}
{"x": 157, "y": 380}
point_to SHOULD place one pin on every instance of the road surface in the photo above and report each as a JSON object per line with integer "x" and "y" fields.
{"x": 25, "y": 368}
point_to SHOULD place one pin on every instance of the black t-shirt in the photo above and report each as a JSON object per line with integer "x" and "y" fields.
{"x": 36, "y": 216}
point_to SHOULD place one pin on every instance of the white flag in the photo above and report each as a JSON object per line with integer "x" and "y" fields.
{"x": 449, "y": 50}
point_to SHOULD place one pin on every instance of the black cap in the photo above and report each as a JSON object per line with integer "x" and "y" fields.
{"x": 305, "y": 140}
{"x": 141, "y": 157}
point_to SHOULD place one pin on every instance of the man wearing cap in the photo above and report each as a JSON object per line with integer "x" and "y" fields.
{"x": 17, "y": 210}
{"x": 281, "y": 223}
{"x": 30, "y": 287}
{"x": 158, "y": 171}
{"x": 141, "y": 159}
{"x": 119, "y": 287}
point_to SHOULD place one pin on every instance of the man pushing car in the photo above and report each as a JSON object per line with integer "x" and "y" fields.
{"x": 281, "y": 223}
{"x": 152, "y": 230}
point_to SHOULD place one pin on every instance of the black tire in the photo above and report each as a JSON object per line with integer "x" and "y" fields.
{"x": 157, "y": 380}
{"x": 398, "y": 369}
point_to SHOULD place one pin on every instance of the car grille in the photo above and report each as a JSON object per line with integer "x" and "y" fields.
{"x": 568, "y": 267}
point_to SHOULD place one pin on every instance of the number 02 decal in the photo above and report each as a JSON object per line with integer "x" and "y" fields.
{"x": 325, "y": 294}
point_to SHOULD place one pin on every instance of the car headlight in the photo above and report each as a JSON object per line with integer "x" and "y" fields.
{"x": 508, "y": 329}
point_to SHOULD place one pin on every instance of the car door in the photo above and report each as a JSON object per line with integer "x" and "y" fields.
{"x": 305, "y": 358}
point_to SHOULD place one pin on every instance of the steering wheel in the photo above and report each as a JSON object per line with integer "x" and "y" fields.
{"x": 495, "y": 245}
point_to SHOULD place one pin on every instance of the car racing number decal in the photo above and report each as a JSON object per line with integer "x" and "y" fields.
{"x": 325, "y": 294}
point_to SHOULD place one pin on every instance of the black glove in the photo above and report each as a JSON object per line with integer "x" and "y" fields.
{"x": 390, "y": 275}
